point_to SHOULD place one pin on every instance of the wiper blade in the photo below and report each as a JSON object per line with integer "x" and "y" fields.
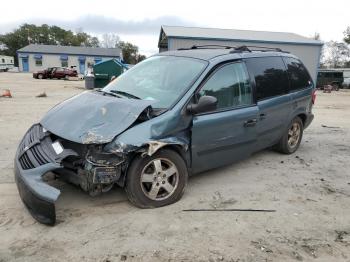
{"x": 109, "y": 93}
{"x": 124, "y": 94}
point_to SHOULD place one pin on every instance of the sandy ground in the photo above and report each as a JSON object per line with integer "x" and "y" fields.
{"x": 310, "y": 191}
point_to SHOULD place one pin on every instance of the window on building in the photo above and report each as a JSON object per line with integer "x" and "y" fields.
{"x": 230, "y": 85}
{"x": 64, "y": 63}
{"x": 38, "y": 62}
{"x": 3, "y": 60}
{"x": 270, "y": 76}
{"x": 11, "y": 61}
{"x": 298, "y": 76}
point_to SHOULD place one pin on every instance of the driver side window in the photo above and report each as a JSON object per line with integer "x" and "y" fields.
{"x": 230, "y": 85}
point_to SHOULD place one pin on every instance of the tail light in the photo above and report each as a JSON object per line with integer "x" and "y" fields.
{"x": 313, "y": 96}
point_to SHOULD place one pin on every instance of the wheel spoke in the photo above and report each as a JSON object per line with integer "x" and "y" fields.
{"x": 290, "y": 132}
{"x": 168, "y": 187}
{"x": 154, "y": 192}
{"x": 170, "y": 171}
{"x": 147, "y": 178}
{"x": 157, "y": 165}
{"x": 290, "y": 141}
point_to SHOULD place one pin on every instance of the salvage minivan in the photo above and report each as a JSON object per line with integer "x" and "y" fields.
{"x": 173, "y": 115}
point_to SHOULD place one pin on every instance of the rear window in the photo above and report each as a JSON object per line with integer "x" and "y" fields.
{"x": 297, "y": 73}
{"x": 270, "y": 76}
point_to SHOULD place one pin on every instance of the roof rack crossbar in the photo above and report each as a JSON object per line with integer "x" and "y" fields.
{"x": 207, "y": 46}
{"x": 236, "y": 49}
{"x": 248, "y": 48}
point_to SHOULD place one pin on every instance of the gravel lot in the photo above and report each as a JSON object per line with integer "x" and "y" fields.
{"x": 310, "y": 191}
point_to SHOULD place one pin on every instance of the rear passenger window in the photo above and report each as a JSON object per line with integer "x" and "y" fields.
{"x": 230, "y": 85}
{"x": 270, "y": 76}
{"x": 297, "y": 73}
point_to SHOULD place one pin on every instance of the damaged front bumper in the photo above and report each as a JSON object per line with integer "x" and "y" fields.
{"x": 37, "y": 196}
{"x": 36, "y": 156}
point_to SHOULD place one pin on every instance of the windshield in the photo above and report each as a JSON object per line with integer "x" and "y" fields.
{"x": 159, "y": 78}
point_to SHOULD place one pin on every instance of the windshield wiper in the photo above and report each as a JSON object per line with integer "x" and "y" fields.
{"x": 124, "y": 94}
{"x": 108, "y": 93}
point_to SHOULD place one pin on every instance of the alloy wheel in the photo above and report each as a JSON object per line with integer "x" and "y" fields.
{"x": 159, "y": 179}
{"x": 294, "y": 135}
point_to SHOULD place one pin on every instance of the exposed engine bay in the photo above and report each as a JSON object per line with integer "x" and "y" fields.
{"x": 91, "y": 169}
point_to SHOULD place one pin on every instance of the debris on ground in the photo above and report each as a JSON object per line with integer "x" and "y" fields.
{"x": 260, "y": 244}
{"x": 297, "y": 256}
{"x": 302, "y": 161}
{"x": 220, "y": 202}
{"x": 231, "y": 209}
{"x": 342, "y": 236}
{"x": 6, "y": 93}
{"x": 330, "y": 126}
{"x": 43, "y": 94}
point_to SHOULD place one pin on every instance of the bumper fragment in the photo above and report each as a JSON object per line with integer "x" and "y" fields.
{"x": 38, "y": 197}
{"x": 35, "y": 157}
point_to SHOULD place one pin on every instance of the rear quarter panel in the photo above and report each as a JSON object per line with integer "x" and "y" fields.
{"x": 301, "y": 102}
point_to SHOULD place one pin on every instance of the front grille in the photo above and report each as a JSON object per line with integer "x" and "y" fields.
{"x": 34, "y": 150}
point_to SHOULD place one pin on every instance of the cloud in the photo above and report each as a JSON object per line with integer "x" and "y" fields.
{"x": 98, "y": 24}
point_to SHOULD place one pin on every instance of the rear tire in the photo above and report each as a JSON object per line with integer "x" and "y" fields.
{"x": 290, "y": 141}
{"x": 157, "y": 180}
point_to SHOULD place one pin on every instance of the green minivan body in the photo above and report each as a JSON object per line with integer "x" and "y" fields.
{"x": 175, "y": 114}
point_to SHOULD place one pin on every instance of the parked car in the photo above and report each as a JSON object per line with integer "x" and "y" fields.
{"x": 173, "y": 115}
{"x": 55, "y": 72}
{"x": 346, "y": 83}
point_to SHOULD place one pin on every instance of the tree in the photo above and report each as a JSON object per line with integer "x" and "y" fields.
{"x": 110, "y": 40}
{"x": 347, "y": 35}
{"x": 141, "y": 58}
{"x": 50, "y": 35}
{"x": 130, "y": 53}
{"x": 337, "y": 53}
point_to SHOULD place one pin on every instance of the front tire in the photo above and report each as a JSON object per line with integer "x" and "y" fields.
{"x": 40, "y": 76}
{"x": 157, "y": 180}
{"x": 290, "y": 141}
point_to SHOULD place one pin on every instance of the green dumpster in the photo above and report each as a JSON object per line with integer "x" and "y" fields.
{"x": 106, "y": 70}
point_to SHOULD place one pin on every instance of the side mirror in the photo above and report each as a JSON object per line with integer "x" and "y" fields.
{"x": 205, "y": 104}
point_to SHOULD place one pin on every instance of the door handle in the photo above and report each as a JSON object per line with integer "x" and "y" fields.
{"x": 262, "y": 116}
{"x": 251, "y": 122}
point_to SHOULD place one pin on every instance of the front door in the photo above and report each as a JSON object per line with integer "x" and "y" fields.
{"x": 229, "y": 133}
{"x": 82, "y": 67}
{"x": 25, "y": 64}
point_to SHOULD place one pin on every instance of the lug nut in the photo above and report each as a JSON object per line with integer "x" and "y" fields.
{"x": 163, "y": 182}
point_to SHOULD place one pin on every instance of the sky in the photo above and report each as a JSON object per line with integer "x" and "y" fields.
{"x": 139, "y": 22}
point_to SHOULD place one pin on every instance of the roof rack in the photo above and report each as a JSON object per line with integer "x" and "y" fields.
{"x": 251, "y": 48}
{"x": 236, "y": 49}
{"x": 207, "y": 47}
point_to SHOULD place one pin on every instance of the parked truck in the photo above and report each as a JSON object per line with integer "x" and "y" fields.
{"x": 331, "y": 77}
{"x": 6, "y": 63}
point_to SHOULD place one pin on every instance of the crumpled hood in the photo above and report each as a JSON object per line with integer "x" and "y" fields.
{"x": 93, "y": 118}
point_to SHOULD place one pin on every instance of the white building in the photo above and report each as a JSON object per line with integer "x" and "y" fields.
{"x": 35, "y": 57}
{"x": 307, "y": 49}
